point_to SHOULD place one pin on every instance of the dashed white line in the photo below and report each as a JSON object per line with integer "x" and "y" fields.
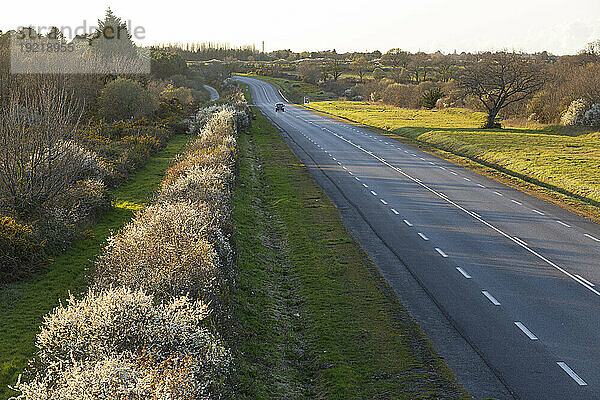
{"x": 563, "y": 224}
{"x": 407, "y": 222}
{"x": 423, "y": 236}
{"x": 357, "y": 178}
{"x": 490, "y": 297}
{"x": 463, "y": 272}
{"x": 373, "y": 193}
{"x": 493, "y": 227}
{"x": 571, "y": 373}
{"x": 538, "y": 212}
{"x": 481, "y": 186}
{"x": 498, "y": 193}
{"x": 383, "y": 201}
{"x": 394, "y": 211}
{"x": 516, "y": 202}
{"x": 441, "y": 252}
{"x": 467, "y": 179}
{"x": 591, "y": 237}
{"x": 526, "y": 331}
{"x": 453, "y": 173}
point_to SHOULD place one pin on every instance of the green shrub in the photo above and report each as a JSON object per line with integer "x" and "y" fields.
{"x": 182, "y": 95}
{"x": 431, "y": 96}
{"x": 125, "y": 99}
{"x": 21, "y": 253}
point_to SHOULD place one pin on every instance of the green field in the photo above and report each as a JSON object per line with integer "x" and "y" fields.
{"x": 565, "y": 160}
{"x": 24, "y": 304}
{"x": 295, "y": 91}
{"x": 313, "y": 317}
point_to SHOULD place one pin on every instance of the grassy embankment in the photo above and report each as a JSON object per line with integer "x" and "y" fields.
{"x": 295, "y": 91}
{"x": 23, "y": 304}
{"x": 558, "y": 164}
{"x": 313, "y": 317}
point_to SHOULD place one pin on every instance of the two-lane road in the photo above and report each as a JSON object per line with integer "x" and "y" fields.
{"x": 516, "y": 276}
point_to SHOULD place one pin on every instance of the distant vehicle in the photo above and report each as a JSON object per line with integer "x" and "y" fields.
{"x": 279, "y": 107}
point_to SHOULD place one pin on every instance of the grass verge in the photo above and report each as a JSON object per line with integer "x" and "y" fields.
{"x": 23, "y": 304}
{"x": 556, "y": 164}
{"x": 313, "y": 317}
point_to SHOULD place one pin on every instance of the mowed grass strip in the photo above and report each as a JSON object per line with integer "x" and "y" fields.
{"x": 564, "y": 160}
{"x": 23, "y": 304}
{"x": 314, "y": 319}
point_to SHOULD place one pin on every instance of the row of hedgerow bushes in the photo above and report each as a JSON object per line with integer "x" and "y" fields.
{"x": 150, "y": 326}
{"x": 57, "y": 171}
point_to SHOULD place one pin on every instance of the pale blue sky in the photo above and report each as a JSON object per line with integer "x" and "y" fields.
{"x": 561, "y": 27}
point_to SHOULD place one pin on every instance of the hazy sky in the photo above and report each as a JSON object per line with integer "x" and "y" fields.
{"x": 561, "y": 27}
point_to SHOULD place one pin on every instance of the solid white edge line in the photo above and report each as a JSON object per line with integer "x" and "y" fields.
{"x": 526, "y": 331}
{"x": 494, "y": 228}
{"x": 571, "y": 373}
{"x": 441, "y": 252}
{"x": 520, "y": 240}
{"x": 585, "y": 280}
{"x": 463, "y": 272}
{"x": 490, "y": 297}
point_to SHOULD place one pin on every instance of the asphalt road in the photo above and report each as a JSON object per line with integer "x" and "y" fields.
{"x": 514, "y": 275}
{"x": 214, "y": 95}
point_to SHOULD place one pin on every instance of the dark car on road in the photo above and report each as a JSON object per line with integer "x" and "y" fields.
{"x": 279, "y": 107}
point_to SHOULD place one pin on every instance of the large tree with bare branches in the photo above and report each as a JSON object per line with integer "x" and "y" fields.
{"x": 501, "y": 79}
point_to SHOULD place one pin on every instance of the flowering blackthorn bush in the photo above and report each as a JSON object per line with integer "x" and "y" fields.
{"x": 575, "y": 113}
{"x": 121, "y": 344}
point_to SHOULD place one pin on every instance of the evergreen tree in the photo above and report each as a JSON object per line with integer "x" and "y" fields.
{"x": 112, "y": 39}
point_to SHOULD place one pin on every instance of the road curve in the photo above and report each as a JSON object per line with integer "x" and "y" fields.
{"x": 514, "y": 275}
{"x": 214, "y": 95}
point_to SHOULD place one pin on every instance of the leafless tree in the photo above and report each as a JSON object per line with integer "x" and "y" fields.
{"x": 501, "y": 79}
{"x": 335, "y": 67}
{"x": 360, "y": 66}
{"x": 37, "y": 156}
{"x": 419, "y": 66}
{"x": 308, "y": 71}
{"x": 397, "y": 60}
